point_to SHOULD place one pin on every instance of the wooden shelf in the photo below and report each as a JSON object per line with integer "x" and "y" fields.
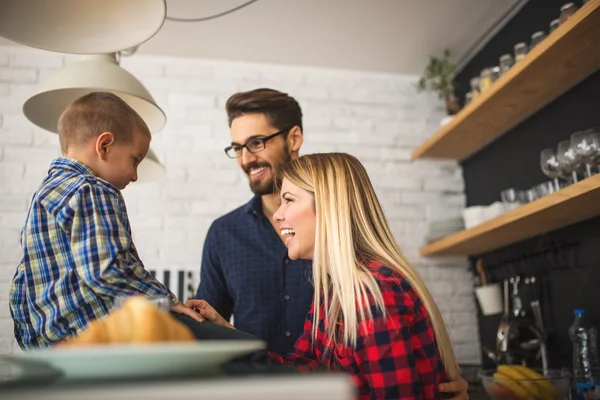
{"x": 570, "y": 205}
{"x": 567, "y": 56}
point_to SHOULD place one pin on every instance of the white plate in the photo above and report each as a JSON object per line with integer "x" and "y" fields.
{"x": 133, "y": 361}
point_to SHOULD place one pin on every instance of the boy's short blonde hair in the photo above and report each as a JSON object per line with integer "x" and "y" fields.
{"x": 95, "y": 113}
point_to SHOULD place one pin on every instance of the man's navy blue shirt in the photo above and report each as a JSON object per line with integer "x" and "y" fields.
{"x": 246, "y": 272}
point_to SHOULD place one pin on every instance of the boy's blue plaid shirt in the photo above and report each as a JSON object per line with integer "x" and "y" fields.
{"x": 78, "y": 257}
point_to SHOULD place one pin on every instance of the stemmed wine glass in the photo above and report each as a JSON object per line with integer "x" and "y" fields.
{"x": 596, "y": 158}
{"x": 567, "y": 159}
{"x": 551, "y": 167}
{"x": 586, "y": 145}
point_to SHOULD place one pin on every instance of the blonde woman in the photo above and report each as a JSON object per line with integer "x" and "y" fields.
{"x": 372, "y": 315}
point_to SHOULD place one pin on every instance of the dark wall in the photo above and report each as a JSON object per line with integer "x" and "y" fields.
{"x": 534, "y": 16}
{"x": 571, "y": 276}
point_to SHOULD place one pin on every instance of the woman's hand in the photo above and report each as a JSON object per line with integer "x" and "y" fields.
{"x": 207, "y": 312}
{"x": 459, "y": 387}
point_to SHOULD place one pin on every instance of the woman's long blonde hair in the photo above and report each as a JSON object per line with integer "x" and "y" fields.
{"x": 351, "y": 231}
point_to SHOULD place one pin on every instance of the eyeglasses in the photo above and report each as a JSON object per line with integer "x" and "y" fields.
{"x": 254, "y": 145}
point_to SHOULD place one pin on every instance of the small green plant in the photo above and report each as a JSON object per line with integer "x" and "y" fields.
{"x": 438, "y": 77}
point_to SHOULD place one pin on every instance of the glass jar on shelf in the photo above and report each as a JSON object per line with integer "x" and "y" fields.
{"x": 495, "y": 73}
{"x": 506, "y": 62}
{"x": 554, "y": 24}
{"x": 536, "y": 38}
{"x": 485, "y": 79}
{"x": 475, "y": 90}
{"x": 566, "y": 11}
{"x": 521, "y": 50}
{"x": 469, "y": 97}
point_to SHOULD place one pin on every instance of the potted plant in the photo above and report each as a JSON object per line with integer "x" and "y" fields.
{"x": 438, "y": 77}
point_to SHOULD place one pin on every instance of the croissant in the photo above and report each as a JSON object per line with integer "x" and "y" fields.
{"x": 136, "y": 321}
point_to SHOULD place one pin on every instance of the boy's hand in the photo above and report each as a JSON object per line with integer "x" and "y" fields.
{"x": 180, "y": 308}
{"x": 458, "y": 387}
{"x": 208, "y": 312}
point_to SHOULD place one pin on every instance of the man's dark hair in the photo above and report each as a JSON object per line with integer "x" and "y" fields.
{"x": 282, "y": 110}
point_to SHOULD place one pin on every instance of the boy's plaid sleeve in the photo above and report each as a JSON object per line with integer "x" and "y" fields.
{"x": 103, "y": 250}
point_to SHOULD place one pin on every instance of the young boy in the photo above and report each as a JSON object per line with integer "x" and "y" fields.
{"x": 78, "y": 250}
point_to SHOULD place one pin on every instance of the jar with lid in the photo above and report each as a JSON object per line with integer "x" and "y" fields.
{"x": 554, "y": 24}
{"x": 520, "y": 51}
{"x": 566, "y": 11}
{"x": 495, "y": 73}
{"x": 474, "y": 86}
{"x": 506, "y": 61}
{"x": 469, "y": 97}
{"x": 485, "y": 79}
{"x": 536, "y": 38}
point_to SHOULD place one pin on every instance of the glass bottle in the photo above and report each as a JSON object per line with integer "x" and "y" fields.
{"x": 554, "y": 24}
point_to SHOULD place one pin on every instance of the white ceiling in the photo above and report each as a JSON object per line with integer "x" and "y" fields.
{"x": 375, "y": 35}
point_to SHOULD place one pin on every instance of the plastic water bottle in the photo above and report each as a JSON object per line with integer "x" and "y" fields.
{"x": 586, "y": 369}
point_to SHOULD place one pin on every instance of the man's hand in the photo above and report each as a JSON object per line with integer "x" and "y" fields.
{"x": 208, "y": 312}
{"x": 458, "y": 387}
{"x": 182, "y": 309}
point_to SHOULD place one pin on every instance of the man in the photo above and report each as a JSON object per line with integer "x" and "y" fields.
{"x": 245, "y": 269}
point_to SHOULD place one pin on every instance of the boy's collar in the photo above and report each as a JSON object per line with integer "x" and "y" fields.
{"x": 71, "y": 164}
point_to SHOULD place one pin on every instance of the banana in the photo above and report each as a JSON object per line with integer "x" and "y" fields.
{"x": 547, "y": 389}
{"x": 513, "y": 386}
{"x": 521, "y": 379}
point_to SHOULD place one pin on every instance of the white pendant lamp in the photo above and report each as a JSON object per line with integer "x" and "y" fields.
{"x": 151, "y": 169}
{"x": 81, "y": 26}
{"x": 98, "y": 73}
{"x": 92, "y": 74}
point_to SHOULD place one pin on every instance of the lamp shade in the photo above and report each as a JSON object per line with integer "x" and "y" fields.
{"x": 81, "y": 26}
{"x": 98, "y": 73}
{"x": 151, "y": 169}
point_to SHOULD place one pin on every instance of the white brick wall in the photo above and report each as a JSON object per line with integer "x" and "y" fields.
{"x": 377, "y": 117}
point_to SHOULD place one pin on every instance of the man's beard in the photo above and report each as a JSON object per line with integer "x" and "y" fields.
{"x": 261, "y": 188}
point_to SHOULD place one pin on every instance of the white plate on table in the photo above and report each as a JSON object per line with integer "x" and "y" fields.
{"x": 132, "y": 361}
